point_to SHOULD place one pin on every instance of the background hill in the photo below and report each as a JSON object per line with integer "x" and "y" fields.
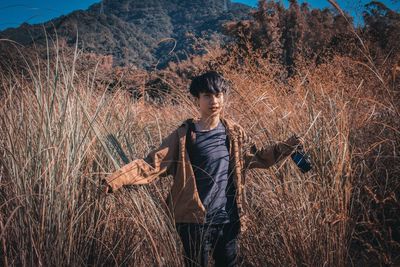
{"x": 137, "y": 32}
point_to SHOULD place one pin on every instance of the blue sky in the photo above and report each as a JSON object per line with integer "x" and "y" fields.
{"x": 15, "y": 12}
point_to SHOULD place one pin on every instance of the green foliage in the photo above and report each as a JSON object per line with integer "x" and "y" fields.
{"x": 131, "y": 30}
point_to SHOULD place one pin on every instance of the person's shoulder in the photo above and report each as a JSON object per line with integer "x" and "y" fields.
{"x": 177, "y": 131}
{"x": 184, "y": 126}
{"x": 233, "y": 126}
{"x": 186, "y": 122}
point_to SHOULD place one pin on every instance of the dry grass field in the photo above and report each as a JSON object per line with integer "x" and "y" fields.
{"x": 55, "y": 127}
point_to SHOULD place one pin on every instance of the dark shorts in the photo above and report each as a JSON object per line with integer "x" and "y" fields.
{"x": 199, "y": 240}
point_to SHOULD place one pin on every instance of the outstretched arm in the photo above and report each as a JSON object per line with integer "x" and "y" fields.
{"x": 159, "y": 162}
{"x": 267, "y": 156}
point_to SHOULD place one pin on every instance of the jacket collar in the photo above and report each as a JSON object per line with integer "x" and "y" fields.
{"x": 229, "y": 125}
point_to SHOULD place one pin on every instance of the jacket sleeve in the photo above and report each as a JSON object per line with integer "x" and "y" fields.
{"x": 159, "y": 162}
{"x": 264, "y": 157}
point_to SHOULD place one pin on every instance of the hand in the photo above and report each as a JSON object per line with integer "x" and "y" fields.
{"x": 105, "y": 187}
{"x": 294, "y": 141}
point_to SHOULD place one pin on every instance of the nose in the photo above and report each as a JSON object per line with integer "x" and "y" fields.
{"x": 214, "y": 99}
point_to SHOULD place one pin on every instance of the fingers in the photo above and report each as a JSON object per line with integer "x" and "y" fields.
{"x": 105, "y": 188}
{"x": 299, "y": 138}
{"x": 295, "y": 141}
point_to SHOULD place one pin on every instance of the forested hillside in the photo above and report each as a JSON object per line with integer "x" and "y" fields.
{"x": 141, "y": 33}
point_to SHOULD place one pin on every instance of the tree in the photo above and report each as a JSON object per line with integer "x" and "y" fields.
{"x": 382, "y": 26}
{"x": 293, "y": 36}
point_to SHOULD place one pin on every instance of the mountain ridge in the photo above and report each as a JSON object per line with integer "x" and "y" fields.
{"x": 131, "y": 30}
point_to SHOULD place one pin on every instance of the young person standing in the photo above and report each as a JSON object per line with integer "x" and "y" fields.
{"x": 208, "y": 157}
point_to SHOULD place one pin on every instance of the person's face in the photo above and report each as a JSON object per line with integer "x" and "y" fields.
{"x": 210, "y": 104}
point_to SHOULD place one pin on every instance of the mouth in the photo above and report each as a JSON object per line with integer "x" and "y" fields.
{"x": 214, "y": 108}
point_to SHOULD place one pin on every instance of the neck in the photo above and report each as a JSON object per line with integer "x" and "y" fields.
{"x": 208, "y": 123}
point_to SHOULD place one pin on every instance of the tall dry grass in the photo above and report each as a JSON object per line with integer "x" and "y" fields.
{"x": 54, "y": 125}
{"x": 54, "y": 151}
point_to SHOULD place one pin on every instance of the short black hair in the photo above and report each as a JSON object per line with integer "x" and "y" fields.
{"x": 209, "y": 82}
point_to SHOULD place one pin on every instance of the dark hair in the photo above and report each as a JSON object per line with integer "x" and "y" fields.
{"x": 209, "y": 82}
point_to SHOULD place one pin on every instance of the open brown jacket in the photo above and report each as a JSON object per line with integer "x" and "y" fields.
{"x": 172, "y": 158}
